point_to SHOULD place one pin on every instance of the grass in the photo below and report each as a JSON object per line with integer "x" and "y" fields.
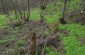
{"x": 71, "y": 43}
{"x": 7, "y": 40}
{"x": 21, "y": 42}
{"x": 3, "y": 21}
{"x": 50, "y": 51}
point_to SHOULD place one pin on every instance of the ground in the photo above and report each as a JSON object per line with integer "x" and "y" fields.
{"x": 72, "y": 35}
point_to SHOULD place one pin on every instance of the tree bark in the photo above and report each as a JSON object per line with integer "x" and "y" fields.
{"x": 3, "y": 7}
{"x": 32, "y": 48}
{"x": 43, "y": 4}
{"x": 62, "y": 20}
{"x": 28, "y": 10}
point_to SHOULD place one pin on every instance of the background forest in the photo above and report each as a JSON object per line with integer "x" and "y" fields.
{"x": 42, "y": 27}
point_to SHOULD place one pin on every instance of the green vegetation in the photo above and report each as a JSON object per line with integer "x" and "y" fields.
{"x": 72, "y": 45}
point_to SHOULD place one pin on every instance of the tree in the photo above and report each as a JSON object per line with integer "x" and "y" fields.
{"x": 14, "y": 7}
{"x": 83, "y": 5}
{"x": 32, "y": 47}
{"x": 43, "y": 4}
{"x": 28, "y": 8}
{"x": 62, "y": 20}
{"x": 6, "y": 8}
{"x": 3, "y": 6}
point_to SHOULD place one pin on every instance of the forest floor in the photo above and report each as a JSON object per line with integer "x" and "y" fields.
{"x": 71, "y": 35}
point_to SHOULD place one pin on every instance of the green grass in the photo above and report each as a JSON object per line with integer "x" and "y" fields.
{"x": 50, "y": 51}
{"x": 6, "y": 40}
{"x": 71, "y": 43}
{"x": 21, "y": 42}
{"x": 75, "y": 29}
{"x": 3, "y": 21}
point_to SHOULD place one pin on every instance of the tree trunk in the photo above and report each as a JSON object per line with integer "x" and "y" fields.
{"x": 83, "y": 5}
{"x": 43, "y": 4}
{"x": 28, "y": 12}
{"x": 62, "y": 20}
{"x": 32, "y": 47}
{"x": 3, "y": 7}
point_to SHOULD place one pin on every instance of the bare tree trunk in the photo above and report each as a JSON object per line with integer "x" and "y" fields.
{"x": 32, "y": 47}
{"x": 62, "y": 20}
{"x": 23, "y": 10}
{"x": 20, "y": 10}
{"x": 43, "y": 4}
{"x": 28, "y": 12}
{"x": 15, "y": 9}
{"x": 8, "y": 8}
{"x": 3, "y": 7}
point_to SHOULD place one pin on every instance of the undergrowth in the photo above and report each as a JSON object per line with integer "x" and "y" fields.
{"x": 71, "y": 43}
